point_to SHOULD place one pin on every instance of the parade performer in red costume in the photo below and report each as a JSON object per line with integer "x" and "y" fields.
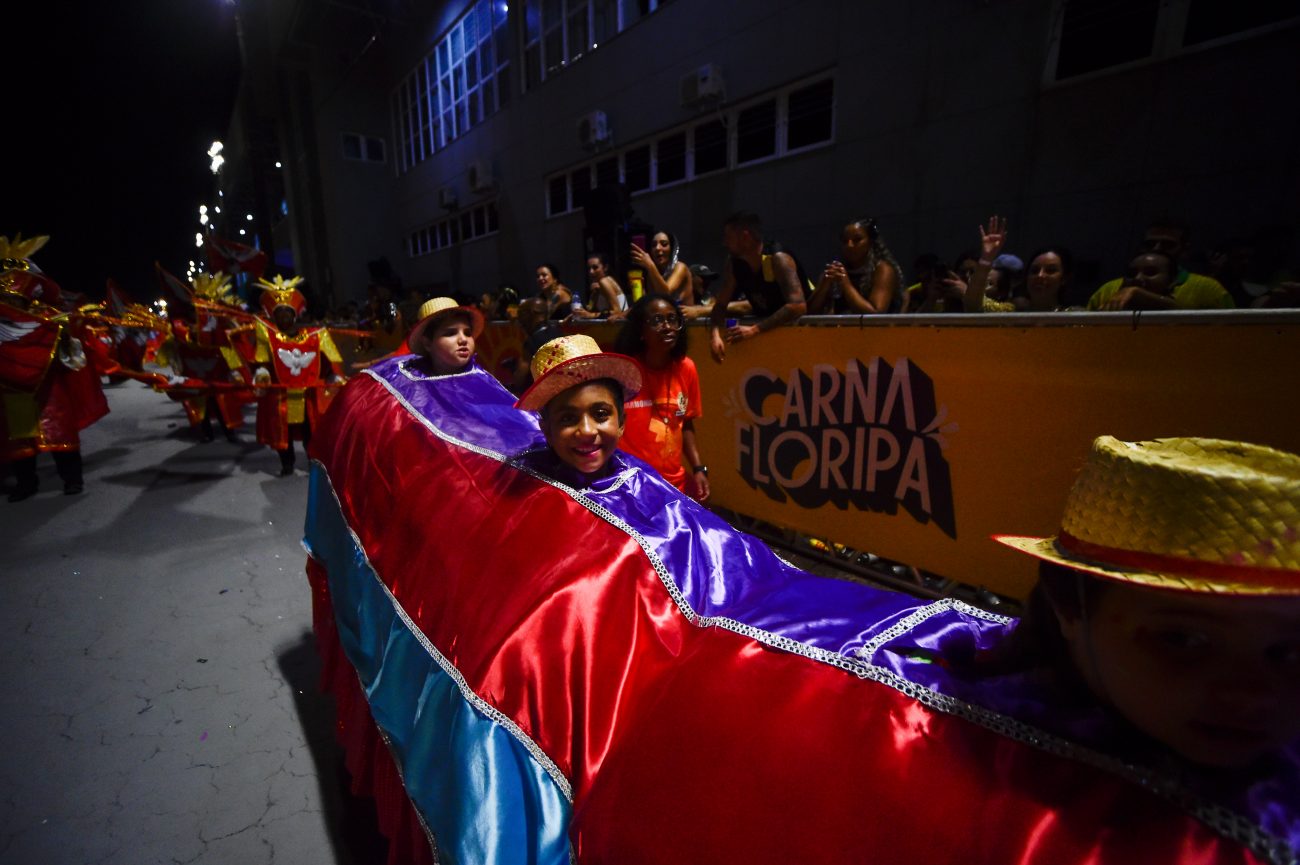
{"x": 50, "y": 390}
{"x": 543, "y": 653}
{"x": 291, "y": 370}
{"x": 207, "y": 372}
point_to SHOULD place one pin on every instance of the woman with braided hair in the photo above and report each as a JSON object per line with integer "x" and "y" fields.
{"x": 866, "y": 280}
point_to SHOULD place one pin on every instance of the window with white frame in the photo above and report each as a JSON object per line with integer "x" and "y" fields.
{"x": 1090, "y": 36}
{"x": 559, "y": 32}
{"x": 363, "y": 148}
{"x": 470, "y": 224}
{"x": 797, "y": 118}
{"x": 465, "y": 79}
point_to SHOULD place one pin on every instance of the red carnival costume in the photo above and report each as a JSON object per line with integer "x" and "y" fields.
{"x": 49, "y": 389}
{"x": 292, "y": 365}
{"x": 208, "y": 373}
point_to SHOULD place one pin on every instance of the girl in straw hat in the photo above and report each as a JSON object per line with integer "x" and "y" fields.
{"x": 444, "y": 335}
{"x": 579, "y": 392}
{"x": 1171, "y": 594}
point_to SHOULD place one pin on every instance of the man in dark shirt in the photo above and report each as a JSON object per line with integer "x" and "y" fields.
{"x": 772, "y": 282}
{"x": 538, "y": 330}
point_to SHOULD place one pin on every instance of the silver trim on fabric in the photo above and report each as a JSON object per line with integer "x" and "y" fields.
{"x": 907, "y": 623}
{"x": 566, "y": 788}
{"x": 1227, "y": 823}
{"x": 415, "y": 376}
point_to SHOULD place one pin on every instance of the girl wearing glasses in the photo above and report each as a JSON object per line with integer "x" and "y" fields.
{"x": 660, "y": 427}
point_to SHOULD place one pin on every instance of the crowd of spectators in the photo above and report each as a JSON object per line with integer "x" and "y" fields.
{"x": 762, "y": 284}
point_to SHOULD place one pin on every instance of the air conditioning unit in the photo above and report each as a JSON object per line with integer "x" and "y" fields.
{"x": 480, "y": 176}
{"x": 593, "y": 130}
{"x": 447, "y": 198}
{"x": 702, "y": 85}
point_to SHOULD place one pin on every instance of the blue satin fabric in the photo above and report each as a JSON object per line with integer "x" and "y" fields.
{"x": 490, "y": 802}
{"x": 720, "y": 572}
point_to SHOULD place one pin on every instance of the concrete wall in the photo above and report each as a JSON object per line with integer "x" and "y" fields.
{"x": 941, "y": 119}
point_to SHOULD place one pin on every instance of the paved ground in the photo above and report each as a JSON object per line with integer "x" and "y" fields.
{"x": 159, "y": 678}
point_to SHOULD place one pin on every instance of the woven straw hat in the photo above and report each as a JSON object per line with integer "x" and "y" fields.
{"x": 438, "y": 308}
{"x": 570, "y": 360}
{"x": 1192, "y": 514}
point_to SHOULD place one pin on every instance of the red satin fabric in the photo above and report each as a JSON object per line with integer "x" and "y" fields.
{"x": 690, "y": 744}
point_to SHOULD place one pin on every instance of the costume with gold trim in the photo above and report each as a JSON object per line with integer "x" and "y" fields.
{"x": 294, "y": 363}
{"x": 50, "y": 391}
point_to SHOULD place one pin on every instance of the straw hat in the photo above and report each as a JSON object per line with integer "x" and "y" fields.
{"x": 571, "y": 360}
{"x": 1192, "y": 514}
{"x": 437, "y": 309}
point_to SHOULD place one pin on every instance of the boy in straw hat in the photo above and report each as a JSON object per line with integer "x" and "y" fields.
{"x": 444, "y": 335}
{"x": 579, "y": 392}
{"x": 1172, "y": 592}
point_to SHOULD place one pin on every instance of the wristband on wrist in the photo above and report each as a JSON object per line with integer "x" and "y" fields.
{"x": 698, "y": 469}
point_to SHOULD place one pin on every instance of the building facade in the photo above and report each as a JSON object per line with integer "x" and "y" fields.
{"x": 459, "y": 144}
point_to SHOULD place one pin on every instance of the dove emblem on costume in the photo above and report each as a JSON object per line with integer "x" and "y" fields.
{"x": 200, "y": 367}
{"x": 12, "y": 331}
{"x": 296, "y": 359}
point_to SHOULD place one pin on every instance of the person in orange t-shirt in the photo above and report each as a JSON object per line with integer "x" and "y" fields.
{"x": 660, "y": 427}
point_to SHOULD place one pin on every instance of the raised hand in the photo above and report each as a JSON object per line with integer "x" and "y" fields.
{"x": 993, "y": 238}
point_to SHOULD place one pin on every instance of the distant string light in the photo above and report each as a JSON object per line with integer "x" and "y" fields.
{"x": 217, "y": 159}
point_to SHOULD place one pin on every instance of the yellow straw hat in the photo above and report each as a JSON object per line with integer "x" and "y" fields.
{"x": 570, "y": 360}
{"x": 437, "y": 309}
{"x": 1192, "y": 514}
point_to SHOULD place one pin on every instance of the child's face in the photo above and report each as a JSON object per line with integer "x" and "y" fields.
{"x": 582, "y": 425}
{"x": 1214, "y": 678}
{"x": 449, "y": 344}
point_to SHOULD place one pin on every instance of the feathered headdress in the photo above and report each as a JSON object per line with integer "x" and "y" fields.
{"x": 214, "y": 288}
{"x": 282, "y": 292}
{"x": 17, "y": 273}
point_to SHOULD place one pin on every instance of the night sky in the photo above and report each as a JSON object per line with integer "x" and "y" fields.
{"x": 111, "y": 162}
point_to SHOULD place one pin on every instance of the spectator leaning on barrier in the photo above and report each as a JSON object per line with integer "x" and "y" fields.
{"x": 538, "y": 331}
{"x": 1050, "y": 269}
{"x": 773, "y": 283}
{"x": 1152, "y": 283}
{"x": 558, "y": 298}
{"x": 937, "y": 287}
{"x": 1187, "y": 291}
{"x": 973, "y": 296}
{"x": 867, "y": 279}
{"x": 605, "y": 297}
{"x": 665, "y": 272}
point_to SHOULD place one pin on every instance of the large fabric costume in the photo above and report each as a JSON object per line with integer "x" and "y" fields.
{"x": 50, "y": 390}
{"x": 646, "y": 684}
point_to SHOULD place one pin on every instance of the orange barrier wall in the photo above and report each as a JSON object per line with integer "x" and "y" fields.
{"x": 916, "y": 438}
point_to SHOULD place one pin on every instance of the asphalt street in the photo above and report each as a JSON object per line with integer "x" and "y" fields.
{"x": 160, "y": 700}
